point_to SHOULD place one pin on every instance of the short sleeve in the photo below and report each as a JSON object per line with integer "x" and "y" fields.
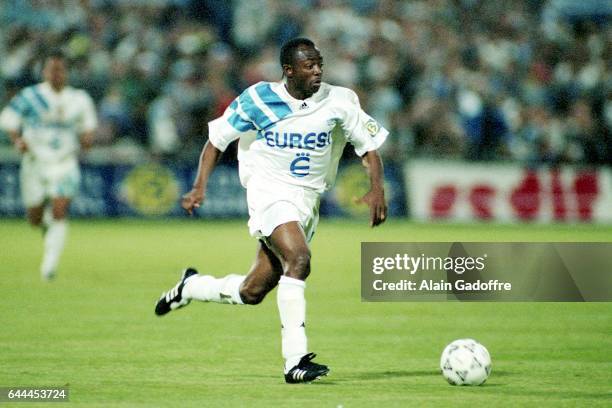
{"x": 229, "y": 127}
{"x": 12, "y": 115}
{"x": 361, "y": 130}
{"x": 89, "y": 119}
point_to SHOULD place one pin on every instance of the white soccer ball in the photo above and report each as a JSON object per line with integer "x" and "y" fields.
{"x": 465, "y": 362}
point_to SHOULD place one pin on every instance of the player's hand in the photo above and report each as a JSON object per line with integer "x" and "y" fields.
{"x": 375, "y": 199}
{"x": 87, "y": 140}
{"x": 21, "y": 145}
{"x": 192, "y": 200}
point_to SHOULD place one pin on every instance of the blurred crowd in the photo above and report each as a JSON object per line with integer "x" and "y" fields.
{"x": 523, "y": 80}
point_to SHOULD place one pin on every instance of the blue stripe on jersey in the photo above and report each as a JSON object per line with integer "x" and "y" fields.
{"x": 23, "y": 106}
{"x": 39, "y": 97}
{"x": 240, "y": 124}
{"x": 30, "y": 97}
{"x": 259, "y": 118}
{"x": 272, "y": 100}
{"x": 234, "y": 104}
{"x": 17, "y": 104}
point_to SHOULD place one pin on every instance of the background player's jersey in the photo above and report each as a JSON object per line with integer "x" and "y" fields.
{"x": 297, "y": 142}
{"x": 50, "y": 122}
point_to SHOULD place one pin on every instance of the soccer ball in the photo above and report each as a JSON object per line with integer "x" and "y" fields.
{"x": 465, "y": 362}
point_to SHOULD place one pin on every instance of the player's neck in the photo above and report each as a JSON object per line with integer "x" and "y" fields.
{"x": 55, "y": 88}
{"x": 297, "y": 93}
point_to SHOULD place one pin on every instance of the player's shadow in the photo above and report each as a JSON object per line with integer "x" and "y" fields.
{"x": 386, "y": 375}
{"x": 379, "y": 375}
{"x": 502, "y": 373}
{"x": 373, "y": 375}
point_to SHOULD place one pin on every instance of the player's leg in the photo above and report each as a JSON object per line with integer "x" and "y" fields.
{"x": 263, "y": 276}
{"x": 289, "y": 242}
{"x": 32, "y": 191}
{"x": 33, "y": 194}
{"x": 233, "y": 289}
{"x": 40, "y": 216}
{"x": 250, "y": 289}
{"x": 59, "y": 207}
{"x": 35, "y": 215}
{"x": 55, "y": 237}
{"x": 62, "y": 183}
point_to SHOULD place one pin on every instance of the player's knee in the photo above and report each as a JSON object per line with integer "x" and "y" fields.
{"x": 35, "y": 221}
{"x": 252, "y": 294}
{"x": 59, "y": 213}
{"x": 35, "y": 218}
{"x": 299, "y": 264}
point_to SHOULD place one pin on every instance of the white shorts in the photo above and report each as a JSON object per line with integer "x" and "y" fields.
{"x": 274, "y": 204}
{"x": 40, "y": 181}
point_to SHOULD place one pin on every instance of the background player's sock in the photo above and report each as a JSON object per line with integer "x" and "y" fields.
{"x": 292, "y": 310}
{"x": 47, "y": 218}
{"x": 54, "y": 245}
{"x": 210, "y": 289}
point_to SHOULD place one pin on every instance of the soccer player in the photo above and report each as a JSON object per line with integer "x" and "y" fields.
{"x": 291, "y": 136}
{"x": 47, "y": 122}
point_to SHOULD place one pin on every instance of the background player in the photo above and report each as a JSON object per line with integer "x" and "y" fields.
{"x": 292, "y": 134}
{"x": 47, "y": 122}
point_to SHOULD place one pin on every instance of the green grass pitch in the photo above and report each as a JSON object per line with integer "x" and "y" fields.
{"x": 94, "y": 328}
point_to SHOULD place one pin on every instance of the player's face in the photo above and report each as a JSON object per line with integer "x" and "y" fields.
{"x": 307, "y": 69}
{"x": 55, "y": 72}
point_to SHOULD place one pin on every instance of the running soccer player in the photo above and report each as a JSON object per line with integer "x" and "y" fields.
{"x": 46, "y": 123}
{"x": 291, "y": 136}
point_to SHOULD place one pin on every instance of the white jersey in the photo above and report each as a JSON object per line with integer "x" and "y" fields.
{"x": 50, "y": 122}
{"x": 291, "y": 141}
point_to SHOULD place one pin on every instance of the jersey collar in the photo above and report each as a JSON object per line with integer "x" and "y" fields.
{"x": 281, "y": 89}
{"x": 49, "y": 89}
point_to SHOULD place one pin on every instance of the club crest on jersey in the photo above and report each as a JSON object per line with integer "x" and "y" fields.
{"x": 372, "y": 127}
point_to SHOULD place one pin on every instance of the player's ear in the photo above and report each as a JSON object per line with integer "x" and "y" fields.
{"x": 288, "y": 70}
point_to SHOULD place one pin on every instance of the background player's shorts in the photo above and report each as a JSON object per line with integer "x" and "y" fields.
{"x": 273, "y": 204}
{"x": 40, "y": 181}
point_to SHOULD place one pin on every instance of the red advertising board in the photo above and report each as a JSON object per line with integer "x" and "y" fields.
{"x": 508, "y": 192}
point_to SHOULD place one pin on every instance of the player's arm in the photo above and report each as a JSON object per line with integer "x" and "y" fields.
{"x": 366, "y": 135}
{"x": 375, "y": 198}
{"x": 208, "y": 160}
{"x": 87, "y": 139}
{"x": 11, "y": 121}
{"x": 221, "y": 132}
{"x": 18, "y": 141}
{"x": 89, "y": 121}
